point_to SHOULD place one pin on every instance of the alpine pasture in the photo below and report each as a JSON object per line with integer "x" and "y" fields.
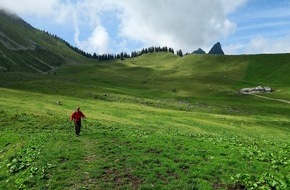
{"x": 157, "y": 121}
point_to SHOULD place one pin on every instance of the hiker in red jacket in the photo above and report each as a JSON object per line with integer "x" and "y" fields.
{"x": 77, "y": 117}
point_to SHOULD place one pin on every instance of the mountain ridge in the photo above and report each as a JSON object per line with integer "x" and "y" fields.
{"x": 25, "y": 48}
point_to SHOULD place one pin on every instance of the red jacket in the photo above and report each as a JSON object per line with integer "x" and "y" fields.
{"x": 77, "y": 115}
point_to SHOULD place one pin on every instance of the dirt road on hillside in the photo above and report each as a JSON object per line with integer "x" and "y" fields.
{"x": 279, "y": 100}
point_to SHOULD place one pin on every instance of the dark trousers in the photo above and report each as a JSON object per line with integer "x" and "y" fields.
{"x": 78, "y": 125}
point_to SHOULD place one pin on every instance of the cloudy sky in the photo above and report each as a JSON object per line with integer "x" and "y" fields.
{"x": 114, "y": 26}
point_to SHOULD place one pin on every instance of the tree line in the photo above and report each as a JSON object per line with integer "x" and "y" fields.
{"x": 122, "y": 55}
{"x": 133, "y": 54}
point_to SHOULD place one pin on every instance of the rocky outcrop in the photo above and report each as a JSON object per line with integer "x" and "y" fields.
{"x": 216, "y": 49}
{"x": 199, "y": 51}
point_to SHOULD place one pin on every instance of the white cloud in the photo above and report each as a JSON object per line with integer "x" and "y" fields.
{"x": 260, "y": 45}
{"x": 97, "y": 42}
{"x": 183, "y": 24}
{"x": 33, "y": 7}
{"x": 268, "y": 45}
{"x": 235, "y": 48}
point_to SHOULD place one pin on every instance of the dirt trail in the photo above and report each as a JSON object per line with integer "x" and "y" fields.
{"x": 279, "y": 100}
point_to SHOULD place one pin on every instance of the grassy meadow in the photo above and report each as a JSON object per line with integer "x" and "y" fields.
{"x": 157, "y": 121}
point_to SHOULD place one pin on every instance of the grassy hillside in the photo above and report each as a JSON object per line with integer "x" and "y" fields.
{"x": 270, "y": 70}
{"x": 157, "y": 121}
{"x": 24, "y": 48}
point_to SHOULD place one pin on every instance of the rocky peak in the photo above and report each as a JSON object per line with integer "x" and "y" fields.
{"x": 198, "y": 51}
{"x": 216, "y": 49}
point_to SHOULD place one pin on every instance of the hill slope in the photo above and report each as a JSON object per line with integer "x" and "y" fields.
{"x": 153, "y": 122}
{"x": 24, "y": 48}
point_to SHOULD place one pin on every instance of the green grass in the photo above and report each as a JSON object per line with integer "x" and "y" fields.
{"x": 153, "y": 122}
